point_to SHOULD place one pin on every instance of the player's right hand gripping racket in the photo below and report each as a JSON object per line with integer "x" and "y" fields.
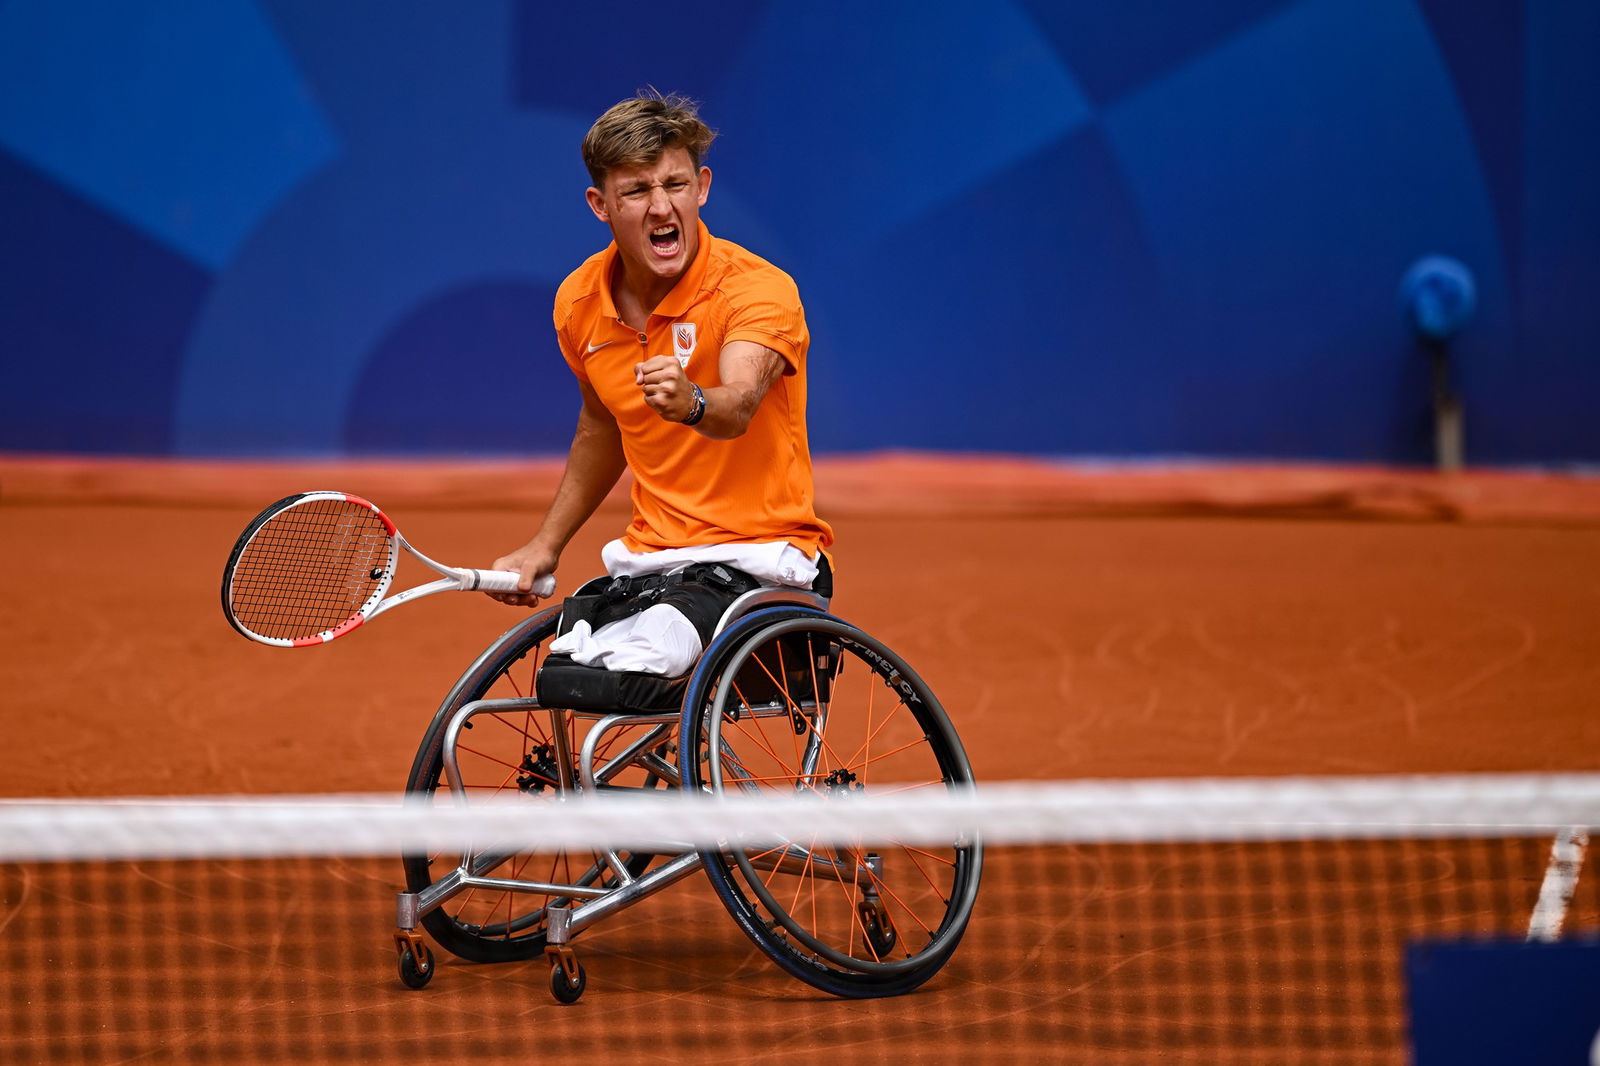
{"x": 316, "y": 565}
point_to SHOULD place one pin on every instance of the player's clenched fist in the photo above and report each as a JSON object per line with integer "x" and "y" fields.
{"x": 666, "y": 388}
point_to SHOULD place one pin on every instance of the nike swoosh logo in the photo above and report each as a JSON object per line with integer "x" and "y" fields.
{"x": 596, "y": 347}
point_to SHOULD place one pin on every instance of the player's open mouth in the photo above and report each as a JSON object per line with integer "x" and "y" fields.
{"x": 664, "y": 239}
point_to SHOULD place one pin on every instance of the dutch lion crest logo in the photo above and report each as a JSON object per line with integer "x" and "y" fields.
{"x": 683, "y": 337}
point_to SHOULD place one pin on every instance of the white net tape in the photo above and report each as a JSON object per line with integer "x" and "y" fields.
{"x": 1197, "y": 810}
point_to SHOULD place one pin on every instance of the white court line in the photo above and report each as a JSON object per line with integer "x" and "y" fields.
{"x": 1560, "y": 881}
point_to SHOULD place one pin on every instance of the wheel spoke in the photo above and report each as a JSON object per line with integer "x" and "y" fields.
{"x": 510, "y": 752}
{"x": 846, "y": 923}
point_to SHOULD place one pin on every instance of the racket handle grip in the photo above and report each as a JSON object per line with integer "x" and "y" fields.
{"x": 506, "y": 581}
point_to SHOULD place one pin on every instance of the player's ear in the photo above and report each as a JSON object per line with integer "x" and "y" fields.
{"x": 597, "y": 203}
{"x": 705, "y": 185}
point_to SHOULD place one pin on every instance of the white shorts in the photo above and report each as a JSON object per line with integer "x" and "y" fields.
{"x": 773, "y": 563}
{"x": 660, "y": 640}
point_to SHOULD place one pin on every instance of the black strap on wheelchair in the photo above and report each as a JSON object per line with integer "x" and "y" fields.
{"x": 822, "y": 584}
{"x": 702, "y": 592}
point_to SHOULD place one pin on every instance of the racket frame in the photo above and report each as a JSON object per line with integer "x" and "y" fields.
{"x": 453, "y": 579}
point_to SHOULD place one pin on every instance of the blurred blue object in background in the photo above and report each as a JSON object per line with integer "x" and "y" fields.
{"x": 1439, "y": 296}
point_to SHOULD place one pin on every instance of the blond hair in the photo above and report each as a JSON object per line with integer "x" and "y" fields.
{"x": 637, "y": 131}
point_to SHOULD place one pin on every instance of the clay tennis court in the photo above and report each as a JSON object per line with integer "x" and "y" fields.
{"x": 1076, "y": 625}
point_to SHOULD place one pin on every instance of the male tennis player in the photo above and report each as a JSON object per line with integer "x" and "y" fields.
{"x": 690, "y": 354}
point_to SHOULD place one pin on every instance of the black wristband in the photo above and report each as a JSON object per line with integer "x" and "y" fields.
{"x": 699, "y": 411}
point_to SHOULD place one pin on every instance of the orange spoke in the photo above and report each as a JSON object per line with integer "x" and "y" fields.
{"x": 510, "y": 776}
{"x": 828, "y": 750}
{"x": 563, "y": 861}
{"x": 850, "y": 891}
{"x": 816, "y": 926}
{"x": 866, "y": 745}
{"x": 758, "y": 738}
{"x": 466, "y": 901}
{"x": 872, "y": 734}
{"x": 800, "y": 880}
{"x": 909, "y": 786}
{"x": 508, "y": 914}
{"x": 893, "y": 751}
{"x": 930, "y": 856}
{"x": 533, "y": 672}
{"x": 889, "y": 892}
{"x": 762, "y": 741}
{"x": 758, "y": 779}
{"x": 816, "y": 689}
{"x": 616, "y": 738}
{"x": 490, "y": 758}
{"x": 518, "y": 867}
{"x": 938, "y": 889}
{"x": 772, "y": 874}
{"x": 790, "y": 704}
{"x": 541, "y": 738}
{"x": 775, "y": 849}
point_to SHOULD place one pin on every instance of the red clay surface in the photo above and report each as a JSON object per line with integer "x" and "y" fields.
{"x": 1068, "y": 639}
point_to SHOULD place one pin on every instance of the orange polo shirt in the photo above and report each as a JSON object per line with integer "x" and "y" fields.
{"x": 688, "y": 489}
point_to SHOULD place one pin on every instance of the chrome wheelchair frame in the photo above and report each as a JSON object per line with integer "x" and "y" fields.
{"x": 773, "y": 674}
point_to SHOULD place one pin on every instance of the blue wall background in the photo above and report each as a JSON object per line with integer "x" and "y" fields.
{"x": 1155, "y": 227}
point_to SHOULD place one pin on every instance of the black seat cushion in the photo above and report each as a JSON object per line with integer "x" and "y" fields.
{"x": 564, "y": 683}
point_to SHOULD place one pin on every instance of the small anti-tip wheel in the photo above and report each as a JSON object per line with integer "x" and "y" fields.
{"x": 416, "y": 969}
{"x": 877, "y": 933}
{"x": 879, "y": 938}
{"x": 564, "y": 990}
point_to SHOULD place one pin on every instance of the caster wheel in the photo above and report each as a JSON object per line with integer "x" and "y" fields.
{"x": 416, "y": 970}
{"x": 567, "y": 991}
{"x": 879, "y": 939}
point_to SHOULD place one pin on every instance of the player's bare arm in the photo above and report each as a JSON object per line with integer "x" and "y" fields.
{"x": 748, "y": 371}
{"x": 594, "y": 463}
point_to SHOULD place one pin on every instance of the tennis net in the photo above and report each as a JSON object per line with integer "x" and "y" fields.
{"x": 1215, "y": 921}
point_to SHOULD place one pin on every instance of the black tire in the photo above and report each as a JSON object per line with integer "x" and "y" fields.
{"x": 881, "y": 728}
{"x": 566, "y": 991}
{"x": 502, "y": 926}
{"x": 416, "y": 970}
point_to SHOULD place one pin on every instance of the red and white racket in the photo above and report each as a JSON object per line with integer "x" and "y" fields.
{"x": 316, "y": 565}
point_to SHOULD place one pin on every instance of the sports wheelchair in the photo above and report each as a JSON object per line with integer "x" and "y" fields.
{"x": 785, "y": 698}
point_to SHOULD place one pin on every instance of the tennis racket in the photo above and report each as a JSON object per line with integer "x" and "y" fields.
{"x": 316, "y": 565}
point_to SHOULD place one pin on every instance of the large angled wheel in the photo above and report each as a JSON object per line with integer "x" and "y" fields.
{"x": 794, "y": 701}
{"x": 509, "y": 754}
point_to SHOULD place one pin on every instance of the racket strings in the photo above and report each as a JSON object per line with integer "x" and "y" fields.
{"x": 310, "y": 568}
